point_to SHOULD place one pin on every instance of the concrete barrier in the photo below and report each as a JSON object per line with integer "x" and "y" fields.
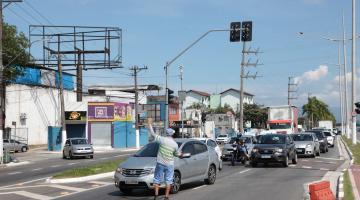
{"x": 321, "y": 191}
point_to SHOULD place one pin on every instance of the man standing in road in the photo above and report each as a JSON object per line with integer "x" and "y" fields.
{"x": 168, "y": 149}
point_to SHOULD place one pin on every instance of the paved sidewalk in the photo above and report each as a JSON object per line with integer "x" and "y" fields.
{"x": 355, "y": 175}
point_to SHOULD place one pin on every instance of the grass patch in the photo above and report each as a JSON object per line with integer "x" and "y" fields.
{"x": 105, "y": 167}
{"x": 355, "y": 149}
{"x": 348, "y": 193}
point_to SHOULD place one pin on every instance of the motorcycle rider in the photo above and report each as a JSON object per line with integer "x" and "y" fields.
{"x": 241, "y": 148}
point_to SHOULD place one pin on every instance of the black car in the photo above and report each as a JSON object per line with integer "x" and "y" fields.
{"x": 322, "y": 140}
{"x": 274, "y": 148}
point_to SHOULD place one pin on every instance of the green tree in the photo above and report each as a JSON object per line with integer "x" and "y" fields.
{"x": 255, "y": 113}
{"x": 15, "y": 45}
{"x": 317, "y": 110}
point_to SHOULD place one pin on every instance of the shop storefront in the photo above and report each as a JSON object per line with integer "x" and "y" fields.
{"x": 75, "y": 124}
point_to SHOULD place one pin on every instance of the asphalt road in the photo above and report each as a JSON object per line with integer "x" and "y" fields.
{"x": 241, "y": 182}
{"x": 43, "y": 166}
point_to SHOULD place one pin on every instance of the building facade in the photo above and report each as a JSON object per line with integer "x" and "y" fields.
{"x": 231, "y": 97}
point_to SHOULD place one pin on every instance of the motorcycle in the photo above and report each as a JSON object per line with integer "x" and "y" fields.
{"x": 238, "y": 155}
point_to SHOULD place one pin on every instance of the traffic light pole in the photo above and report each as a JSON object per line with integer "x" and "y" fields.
{"x": 241, "y": 118}
{"x": 173, "y": 60}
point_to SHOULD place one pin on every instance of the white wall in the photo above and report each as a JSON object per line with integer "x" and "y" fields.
{"x": 232, "y": 98}
{"x": 41, "y": 106}
{"x": 192, "y": 98}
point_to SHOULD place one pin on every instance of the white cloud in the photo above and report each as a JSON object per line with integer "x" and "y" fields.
{"x": 312, "y": 75}
{"x": 348, "y": 76}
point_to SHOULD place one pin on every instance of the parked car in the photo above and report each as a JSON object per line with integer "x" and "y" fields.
{"x": 14, "y": 146}
{"x": 199, "y": 163}
{"x": 249, "y": 141}
{"x": 274, "y": 148}
{"x": 322, "y": 140}
{"x": 222, "y": 139}
{"x": 211, "y": 143}
{"x": 78, "y": 147}
{"x": 330, "y": 138}
{"x": 306, "y": 144}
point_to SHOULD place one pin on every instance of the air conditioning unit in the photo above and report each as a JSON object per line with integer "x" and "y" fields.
{"x": 23, "y": 116}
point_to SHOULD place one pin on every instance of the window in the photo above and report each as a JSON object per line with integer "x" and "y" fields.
{"x": 199, "y": 148}
{"x": 173, "y": 111}
{"x": 188, "y": 148}
{"x": 149, "y": 150}
{"x": 211, "y": 143}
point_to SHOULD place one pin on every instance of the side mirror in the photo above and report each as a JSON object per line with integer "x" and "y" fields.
{"x": 186, "y": 155}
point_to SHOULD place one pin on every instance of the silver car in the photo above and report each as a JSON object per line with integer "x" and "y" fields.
{"x": 78, "y": 147}
{"x": 306, "y": 144}
{"x": 14, "y": 146}
{"x": 199, "y": 163}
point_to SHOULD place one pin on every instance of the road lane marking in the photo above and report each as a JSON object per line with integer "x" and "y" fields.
{"x": 71, "y": 163}
{"x": 54, "y": 166}
{"x": 124, "y": 155}
{"x": 324, "y": 169}
{"x": 199, "y": 187}
{"x": 306, "y": 167}
{"x": 37, "y": 169}
{"x": 103, "y": 158}
{"x": 329, "y": 158}
{"x": 100, "y": 182}
{"x": 23, "y": 183}
{"x": 13, "y": 173}
{"x": 244, "y": 171}
{"x": 29, "y": 195}
{"x": 63, "y": 187}
{"x": 326, "y": 162}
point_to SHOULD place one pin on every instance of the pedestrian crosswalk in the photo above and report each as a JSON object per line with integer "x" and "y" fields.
{"x": 41, "y": 191}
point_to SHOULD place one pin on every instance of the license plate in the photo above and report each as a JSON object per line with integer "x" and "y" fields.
{"x": 265, "y": 156}
{"x": 299, "y": 150}
{"x": 131, "y": 182}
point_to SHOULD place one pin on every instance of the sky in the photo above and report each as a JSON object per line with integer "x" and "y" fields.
{"x": 155, "y": 31}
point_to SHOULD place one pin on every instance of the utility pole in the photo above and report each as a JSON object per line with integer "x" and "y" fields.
{"x": 62, "y": 101}
{"x": 245, "y": 76}
{"x": 2, "y": 84}
{"x": 346, "y": 109}
{"x": 291, "y": 84}
{"x": 353, "y": 75}
{"x": 182, "y": 102}
{"x": 2, "y": 101}
{"x": 341, "y": 90}
{"x": 136, "y": 70}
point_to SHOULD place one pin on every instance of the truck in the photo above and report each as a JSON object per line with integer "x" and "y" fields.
{"x": 326, "y": 124}
{"x": 283, "y": 119}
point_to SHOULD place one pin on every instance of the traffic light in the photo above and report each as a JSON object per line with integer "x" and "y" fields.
{"x": 246, "y": 31}
{"x": 357, "y": 109}
{"x": 170, "y": 96}
{"x": 235, "y": 31}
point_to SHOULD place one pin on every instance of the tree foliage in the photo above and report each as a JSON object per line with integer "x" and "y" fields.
{"x": 256, "y": 114}
{"x": 15, "y": 45}
{"x": 317, "y": 110}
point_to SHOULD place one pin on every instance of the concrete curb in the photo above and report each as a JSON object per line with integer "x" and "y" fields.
{"x": 17, "y": 164}
{"x": 340, "y": 187}
{"x": 80, "y": 179}
{"x": 348, "y": 151}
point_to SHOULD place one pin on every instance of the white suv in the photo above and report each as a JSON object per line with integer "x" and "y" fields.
{"x": 330, "y": 138}
{"x": 222, "y": 139}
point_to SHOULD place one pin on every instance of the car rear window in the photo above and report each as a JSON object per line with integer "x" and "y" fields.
{"x": 272, "y": 139}
{"x": 302, "y": 137}
{"x": 327, "y": 134}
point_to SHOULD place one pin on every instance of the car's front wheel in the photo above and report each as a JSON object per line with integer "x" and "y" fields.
{"x": 126, "y": 190}
{"x": 254, "y": 164}
{"x": 23, "y": 149}
{"x": 211, "y": 177}
{"x": 175, "y": 187}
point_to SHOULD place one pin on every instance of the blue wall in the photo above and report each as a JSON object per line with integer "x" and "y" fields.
{"x": 125, "y": 136}
{"x": 54, "y": 138}
{"x": 120, "y": 135}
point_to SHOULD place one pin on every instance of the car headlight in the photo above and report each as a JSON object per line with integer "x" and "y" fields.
{"x": 151, "y": 170}
{"x": 119, "y": 170}
{"x": 308, "y": 146}
{"x": 321, "y": 140}
{"x": 279, "y": 150}
{"x": 255, "y": 150}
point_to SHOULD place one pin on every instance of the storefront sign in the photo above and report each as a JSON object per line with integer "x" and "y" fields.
{"x": 122, "y": 112}
{"x": 75, "y": 115}
{"x": 100, "y": 111}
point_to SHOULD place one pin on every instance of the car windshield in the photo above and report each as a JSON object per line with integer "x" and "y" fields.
{"x": 319, "y": 135}
{"x": 79, "y": 141}
{"x": 302, "y": 137}
{"x": 272, "y": 139}
{"x": 222, "y": 136}
{"x": 280, "y": 125}
{"x": 327, "y": 134}
{"x": 149, "y": 150}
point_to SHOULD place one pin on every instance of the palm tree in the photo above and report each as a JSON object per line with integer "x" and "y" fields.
{"x": 317, "y": 110}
